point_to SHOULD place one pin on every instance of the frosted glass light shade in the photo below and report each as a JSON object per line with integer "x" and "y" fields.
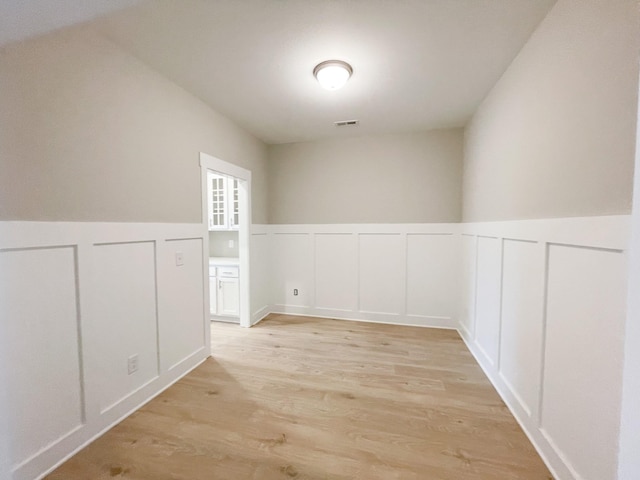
{"x": 333, "y": 74}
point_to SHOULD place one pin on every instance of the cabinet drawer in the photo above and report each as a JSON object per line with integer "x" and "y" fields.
{"x": 228, "y": 272}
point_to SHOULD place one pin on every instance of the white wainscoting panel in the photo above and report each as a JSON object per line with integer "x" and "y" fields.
{"x": 77, "y": 300}
{"x": 391, "y": 273}
{"x": 522, "y": 320}
{"x": 488, "y": 286}
{"x": 261, "y": 277}
{"x": 467, "y": 284}
{"x": 293, "y": 255}
{"x": 433, "y": 272}
{"x": 583, "y": 357}
{"x": 180, "y": 301}
{"x": 381, "y": 273}
{"x": 39, "y": 306}
{"x": 540, "y": 304}
{"x": 124, "y": 308}
{"x": 560, "y": 297}
{"x": 336, "y": 271}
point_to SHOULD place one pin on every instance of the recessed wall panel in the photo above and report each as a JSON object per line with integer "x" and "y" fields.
{"x": 432, "y": 273}
{"x": 38, "y": 303}
{"x": 521, "y": 326}
{"x": 381, "y": 273}
{"x": 292, "y": 269}
{"x": 124, "y": 307}
{"x": 467, "y": 290}
{"x": 181, "y": 328}
{"x": 261, "y": 282}
{"x": 583, "y": 361}
{"x": 488, "y": 296}
{"x": 336, "y": 271}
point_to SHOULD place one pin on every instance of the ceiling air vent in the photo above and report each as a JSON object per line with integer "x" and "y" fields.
{"x": 347, "y": 123}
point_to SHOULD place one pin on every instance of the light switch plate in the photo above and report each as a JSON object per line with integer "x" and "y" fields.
{"x": 179, "y": 259}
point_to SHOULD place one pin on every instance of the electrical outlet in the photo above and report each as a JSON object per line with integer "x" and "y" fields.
{"x": 295, "y": 292}
{"x": 231, "y": 243}
{"x": 132, "y": 364}
{"x": 179, "y": 259}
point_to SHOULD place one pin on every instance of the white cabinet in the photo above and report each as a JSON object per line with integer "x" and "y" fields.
{"x": 224, "y": 207}
{"x": 228, "y": 297}
{"x": 224, "y": 290}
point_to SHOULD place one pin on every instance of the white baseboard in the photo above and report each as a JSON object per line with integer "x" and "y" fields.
{"x": 401, "y": 320}
{"x": 260, "y": 315}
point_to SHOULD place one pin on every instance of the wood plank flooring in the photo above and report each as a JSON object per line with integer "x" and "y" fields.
{"x": 308, "y": 398}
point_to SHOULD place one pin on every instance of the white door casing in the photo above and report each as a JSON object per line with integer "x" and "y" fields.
{"x": 210, "y": 163}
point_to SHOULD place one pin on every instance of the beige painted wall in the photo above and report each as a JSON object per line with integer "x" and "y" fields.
{"x": 555, "y": 137}
{"x": 88, "y": 133}
{"x": 400, "y": 178}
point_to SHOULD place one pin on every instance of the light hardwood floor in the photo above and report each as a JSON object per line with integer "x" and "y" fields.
{"x": 310, "y": 398}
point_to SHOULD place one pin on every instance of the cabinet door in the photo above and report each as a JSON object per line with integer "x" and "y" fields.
{"x": 228, "y": 297}
{"x": 217, "y": 195}
{"x": 213, "y": 295}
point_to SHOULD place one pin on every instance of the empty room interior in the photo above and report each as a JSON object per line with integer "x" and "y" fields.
{"x": 319, "y": 239}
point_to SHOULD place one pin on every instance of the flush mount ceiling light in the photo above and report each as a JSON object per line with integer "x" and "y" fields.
{"x": 333, "y": 74}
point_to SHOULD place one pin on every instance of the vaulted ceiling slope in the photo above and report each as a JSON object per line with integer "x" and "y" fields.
{"x": 418, "y": 64}
{"x": 21, "y": 19}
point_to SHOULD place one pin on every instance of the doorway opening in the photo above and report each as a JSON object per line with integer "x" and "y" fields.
{"x": 226, "y": 216}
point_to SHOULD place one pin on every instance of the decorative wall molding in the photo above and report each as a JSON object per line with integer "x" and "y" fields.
{"x": 557, "y": 311}
{"x": 539, "y": 303}
{"x": 80, "y": 299}
{"x": 391, "y": 273}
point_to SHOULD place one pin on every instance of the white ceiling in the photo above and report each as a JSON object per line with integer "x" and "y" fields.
{"x": 418, "y": 64}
